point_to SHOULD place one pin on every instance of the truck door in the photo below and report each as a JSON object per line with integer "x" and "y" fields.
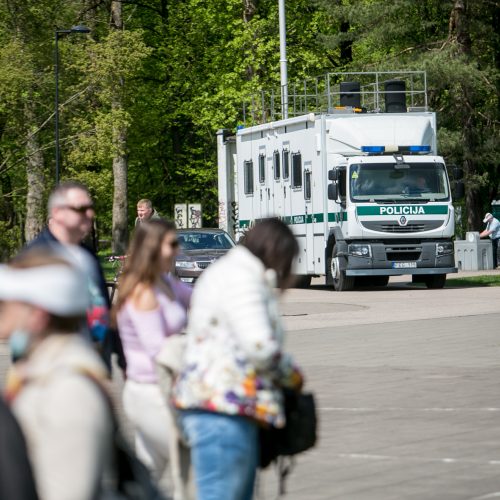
{"x": 286, "y": 184}
{"x": 263, "y": 199}
{"x": 309, "y": 217}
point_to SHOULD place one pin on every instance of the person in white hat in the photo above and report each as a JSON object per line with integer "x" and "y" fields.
{"x": 54, "y": 387}
{"x": 493, "y": 232}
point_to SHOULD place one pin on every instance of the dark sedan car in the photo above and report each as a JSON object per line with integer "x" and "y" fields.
{"x": 198, "y": 249}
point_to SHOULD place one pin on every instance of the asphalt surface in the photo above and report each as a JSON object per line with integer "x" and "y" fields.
{"x": 407, "y": 382}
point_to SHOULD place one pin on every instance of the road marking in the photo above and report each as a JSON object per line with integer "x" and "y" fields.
{"x": 400, "y": 408}
{"x": 447, "y": 460}
{"x": 496, "y": 494}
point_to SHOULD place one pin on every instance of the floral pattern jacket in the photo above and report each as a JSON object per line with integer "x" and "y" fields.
{"x": 234, "y": 361}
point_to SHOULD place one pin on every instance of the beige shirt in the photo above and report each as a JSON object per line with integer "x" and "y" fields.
{"x": 65, "y": 418}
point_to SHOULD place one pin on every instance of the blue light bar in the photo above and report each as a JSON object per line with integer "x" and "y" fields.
{"x": 372, "y": 149}
{"x": 419, "y": 149}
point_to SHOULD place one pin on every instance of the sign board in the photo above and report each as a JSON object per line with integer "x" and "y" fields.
{"x": 188, "y": 215}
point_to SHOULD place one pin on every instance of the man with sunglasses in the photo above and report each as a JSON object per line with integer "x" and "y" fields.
{"x": 70, "y": 218}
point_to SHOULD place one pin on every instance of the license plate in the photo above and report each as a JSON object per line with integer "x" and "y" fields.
{"x": 404, "y": 265}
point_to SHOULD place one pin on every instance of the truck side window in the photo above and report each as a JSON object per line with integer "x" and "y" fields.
{"x": 286, "y": 164}
{"x": 307, "y": 185}
{"x": 262, "y": 168}
{"x": 248, "y": 174}
{"x": 296, "y": 170}
{"x": 276, "y": 165}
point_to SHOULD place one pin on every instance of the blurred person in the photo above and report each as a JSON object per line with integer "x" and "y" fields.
{"x": 234, "y": 365}
{"x": 146, "y": 212}
{"x": 493, "y": 232}
{"x": 54, "y": 388}
{"x": 70, "y": 220}
{"x": 16, "y": 476}
{"x": 151, "y": 306}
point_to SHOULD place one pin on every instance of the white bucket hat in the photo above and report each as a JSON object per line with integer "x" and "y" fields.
{"x": 56, "y": 288}
{"x": 487, "y": 217}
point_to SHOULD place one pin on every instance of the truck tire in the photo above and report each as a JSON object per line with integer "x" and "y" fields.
{"x": 336, "y": 277}
{"x": 303, "y": 281}
{"x": 435, "y": 280}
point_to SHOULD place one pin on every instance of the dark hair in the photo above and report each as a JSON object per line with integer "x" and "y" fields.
{"x": 143, "y": 264}
{"x": 272, "y": 241}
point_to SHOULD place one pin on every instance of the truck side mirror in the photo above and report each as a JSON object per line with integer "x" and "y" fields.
{"x": 459, "y": 190}
{"x": 333, "y": 191}
{"x": 333, "y": 175}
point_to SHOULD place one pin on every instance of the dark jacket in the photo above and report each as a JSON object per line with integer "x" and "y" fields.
{"x": 16, "y": 476}
{"x": 111, "y": 343}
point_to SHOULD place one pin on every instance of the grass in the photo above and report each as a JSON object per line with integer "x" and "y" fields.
{"x": 474, "y": 281}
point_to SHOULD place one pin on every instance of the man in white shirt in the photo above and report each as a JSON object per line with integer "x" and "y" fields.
{"x": 493, "y": 231}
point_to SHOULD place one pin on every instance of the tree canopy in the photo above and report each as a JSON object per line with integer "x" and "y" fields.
{"x": 155, "y": 79}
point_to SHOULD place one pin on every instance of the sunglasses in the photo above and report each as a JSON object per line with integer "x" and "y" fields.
{"x": 79, "y": 210}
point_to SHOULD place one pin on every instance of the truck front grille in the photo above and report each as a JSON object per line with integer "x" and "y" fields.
{"x": 394, "y": 227}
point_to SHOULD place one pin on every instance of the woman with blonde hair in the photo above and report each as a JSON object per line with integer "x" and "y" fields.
{"x": 56, "y": 388}
{"x": 151, "y": 306}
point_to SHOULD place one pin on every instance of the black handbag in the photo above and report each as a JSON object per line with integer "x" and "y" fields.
{"x": 299, "y": 433}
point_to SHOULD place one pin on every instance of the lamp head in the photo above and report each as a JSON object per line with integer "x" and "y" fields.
{"x": 80, "y": 28}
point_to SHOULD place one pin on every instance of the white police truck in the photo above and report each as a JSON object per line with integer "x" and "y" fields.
{"x": 360, "y": 183}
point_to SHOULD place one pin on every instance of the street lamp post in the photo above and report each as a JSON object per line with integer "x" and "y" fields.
{"x": 75, "y": 29}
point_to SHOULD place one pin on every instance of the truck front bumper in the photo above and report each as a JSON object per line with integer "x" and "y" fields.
{"x": 399, "y": 258}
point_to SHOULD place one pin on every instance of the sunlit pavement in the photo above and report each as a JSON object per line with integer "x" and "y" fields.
{"x": 408, "y": 388}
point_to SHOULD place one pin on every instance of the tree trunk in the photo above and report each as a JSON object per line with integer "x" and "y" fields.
{"x": 459, "y": 34}
{"x": 35, "y": 178}
{"x": 120, "y": 160}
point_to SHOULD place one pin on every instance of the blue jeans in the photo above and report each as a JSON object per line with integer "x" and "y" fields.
{"x": 224, "y": 452}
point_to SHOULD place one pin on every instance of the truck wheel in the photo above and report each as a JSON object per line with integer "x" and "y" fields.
{"x": 435, "y": 280}
{"x": 336, "y": 277}
{"x": 303, "y": 281}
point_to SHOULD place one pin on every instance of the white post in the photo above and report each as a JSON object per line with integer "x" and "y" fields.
{"x": 283, "y": 61}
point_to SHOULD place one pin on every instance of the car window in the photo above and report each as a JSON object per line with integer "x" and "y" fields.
{"x": 205, "y": 241}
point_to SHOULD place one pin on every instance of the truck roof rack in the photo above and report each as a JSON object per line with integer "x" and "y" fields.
{"x": 344, "y": 92}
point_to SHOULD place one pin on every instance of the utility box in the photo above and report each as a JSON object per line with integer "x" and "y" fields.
{"x": 473, "y": 254}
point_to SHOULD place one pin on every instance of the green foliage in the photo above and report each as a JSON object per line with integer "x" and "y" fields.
{"x": 181, "y": 70}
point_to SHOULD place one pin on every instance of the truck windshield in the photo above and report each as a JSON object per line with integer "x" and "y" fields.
{"x": 387, "y": 182}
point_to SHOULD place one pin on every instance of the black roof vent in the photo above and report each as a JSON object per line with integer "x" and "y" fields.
{"x": 395, "y": 96}
{"x": 350, "y": 94}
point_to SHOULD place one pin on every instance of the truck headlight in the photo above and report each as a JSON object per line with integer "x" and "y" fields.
{"x": 359, "y": 250}
{"x": 444, "y": 248}
{"x": 185, "y": 264}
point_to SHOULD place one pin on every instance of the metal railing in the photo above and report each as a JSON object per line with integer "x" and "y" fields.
{"x": 322, "y": 95}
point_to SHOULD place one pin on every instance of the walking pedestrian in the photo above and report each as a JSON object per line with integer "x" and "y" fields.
{"x": 234, "y": 365}
{"x": 71, "y": 213}
{"x": 53, "y": 388}
{"x": 493, "y": 232}
{"x": 145, "y": 212}
{"x": 151, "y": 306}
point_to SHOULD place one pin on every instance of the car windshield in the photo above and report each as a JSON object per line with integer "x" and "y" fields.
{"x": 398, "y": 182}
{"x": 204, "y": 241}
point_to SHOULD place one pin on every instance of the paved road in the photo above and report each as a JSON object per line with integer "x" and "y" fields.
{"x": 408, "y": 386}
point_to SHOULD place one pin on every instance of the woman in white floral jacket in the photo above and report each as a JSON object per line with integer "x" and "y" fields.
{"x": 234, "y": 365}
